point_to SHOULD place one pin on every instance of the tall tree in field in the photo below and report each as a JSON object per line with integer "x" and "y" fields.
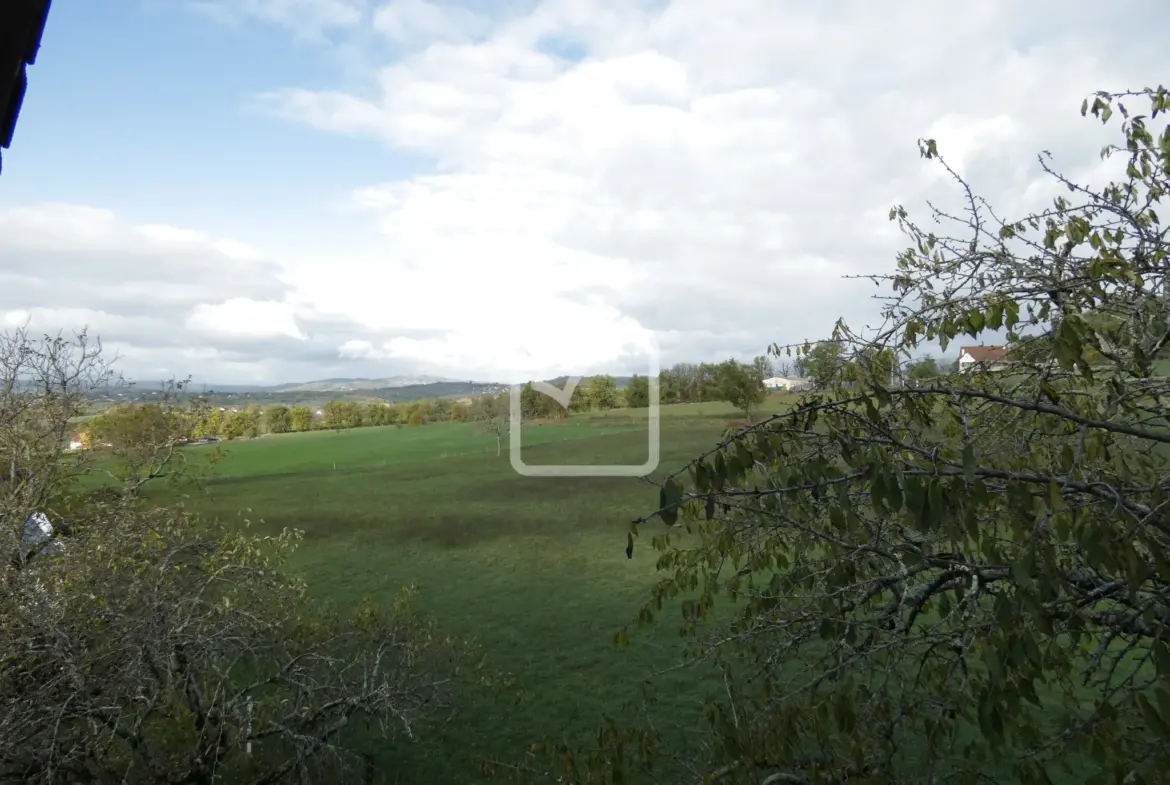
{"x": 277, "y": 419}
{"x": 532, "y": 403}
{"x": 967, "y": 580}
{"x": 602, "y": 392}
{"x": 669, "y": 387}
{"x": 763, "y": 367}
{"x": 336, "y": 414}
{"x": 638, "y": 392}
{"x": 143, "y": 442}
{"x": 375, "y": 413}
{"x": 301, "y": 418}
{"x": 825, "y": 364}
{"x": 441, "y": 409}
{"x": 742, "y": 385}
{"x": 493, "y": 413}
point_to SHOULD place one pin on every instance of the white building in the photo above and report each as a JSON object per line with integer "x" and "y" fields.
{"x": 785, "y": 383}
{"x": 989, "y": 358}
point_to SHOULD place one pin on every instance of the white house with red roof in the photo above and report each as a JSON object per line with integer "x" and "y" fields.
{"x": 988, "y": 358}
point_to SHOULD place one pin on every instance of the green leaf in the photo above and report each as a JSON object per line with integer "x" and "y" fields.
{"x": 877, "y": 490}
{"x": 968, "y": 463}
{"x": 1055, "y": 499}
{"x": 893, "y": 495}
{"x": 668, "y": 500}
{"x": 995, "y": 316}
{"x": 994, "y": 668}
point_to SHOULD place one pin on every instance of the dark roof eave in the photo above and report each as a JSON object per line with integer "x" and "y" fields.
{"x": 25, "y": 22}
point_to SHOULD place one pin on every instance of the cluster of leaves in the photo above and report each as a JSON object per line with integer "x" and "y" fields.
{"x": 965, "y": 580}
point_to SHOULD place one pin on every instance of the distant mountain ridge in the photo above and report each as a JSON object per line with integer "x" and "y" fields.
{"x": 393, "y": 389}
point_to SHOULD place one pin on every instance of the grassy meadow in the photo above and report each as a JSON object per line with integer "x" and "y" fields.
{"x": 534, "y": 569}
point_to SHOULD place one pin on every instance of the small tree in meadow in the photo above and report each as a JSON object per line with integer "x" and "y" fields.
{"x": 742, "y": 385}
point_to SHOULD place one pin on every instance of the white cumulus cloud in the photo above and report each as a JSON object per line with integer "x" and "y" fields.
{"x": 597, "y": 172}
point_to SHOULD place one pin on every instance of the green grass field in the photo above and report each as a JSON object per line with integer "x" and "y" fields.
{"x": 534, "y": 569}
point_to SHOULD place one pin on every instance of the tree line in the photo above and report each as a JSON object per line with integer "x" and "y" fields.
{"x": 737, "y": 382}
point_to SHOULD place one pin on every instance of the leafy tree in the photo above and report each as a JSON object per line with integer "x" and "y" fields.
{"x": 277, "y": 419}
{"x": 669, "y": 387}
{"x": 925, "y": 370}
{"x": 301, "y": 418}
{"x": 531, "y": 402}
{"x": 742, "y": 385}
{"x": 967, "y": 580}
{"x": 579, "y": 400}
{"x": 493, "y": 412}
{"x": 441, "y": 409}
{"x": 763, "y": 367}
{"x": 337, "y": 414}
{"x": 143, "y": 442}
{"x": 602, "y": 392}
{"x": 381, "y": 413}
{"x": 417, "y": 416}
{"x": 210, "y": 424}
{"x": 638, "y": 392}
{"x": 238, "y": 424}
{"x": 825, "y": 364}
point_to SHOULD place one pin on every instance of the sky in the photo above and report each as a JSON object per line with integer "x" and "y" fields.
{"x": 264, "y": 191}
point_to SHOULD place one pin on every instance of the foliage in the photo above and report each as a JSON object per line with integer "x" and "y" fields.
{"x": 43, "y": 384}
{"x": 925, "y": 369}
{"x": 277, "y": 419}
{"x": 742, "y": 385}
{"x": 825, "y": 364}
{"x": 690, "y": 383}
{"x": 190, "y": 658}
{"x": 301, "y": 418}
{"x": 602, "y": 393}
{"x": 966, "y": 580}
{"x": 144, "y": 442}
{"x": 151, "y": 646}
{"x": 493, "y": 413}
{"x": 638, "y": 392}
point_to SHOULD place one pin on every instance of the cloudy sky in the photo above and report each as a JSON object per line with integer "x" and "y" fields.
{"x": 285, "y": 190}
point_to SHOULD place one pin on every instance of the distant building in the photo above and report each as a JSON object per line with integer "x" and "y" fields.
{"x": 785, "y": 383}
{"x": 989, "y": 358}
